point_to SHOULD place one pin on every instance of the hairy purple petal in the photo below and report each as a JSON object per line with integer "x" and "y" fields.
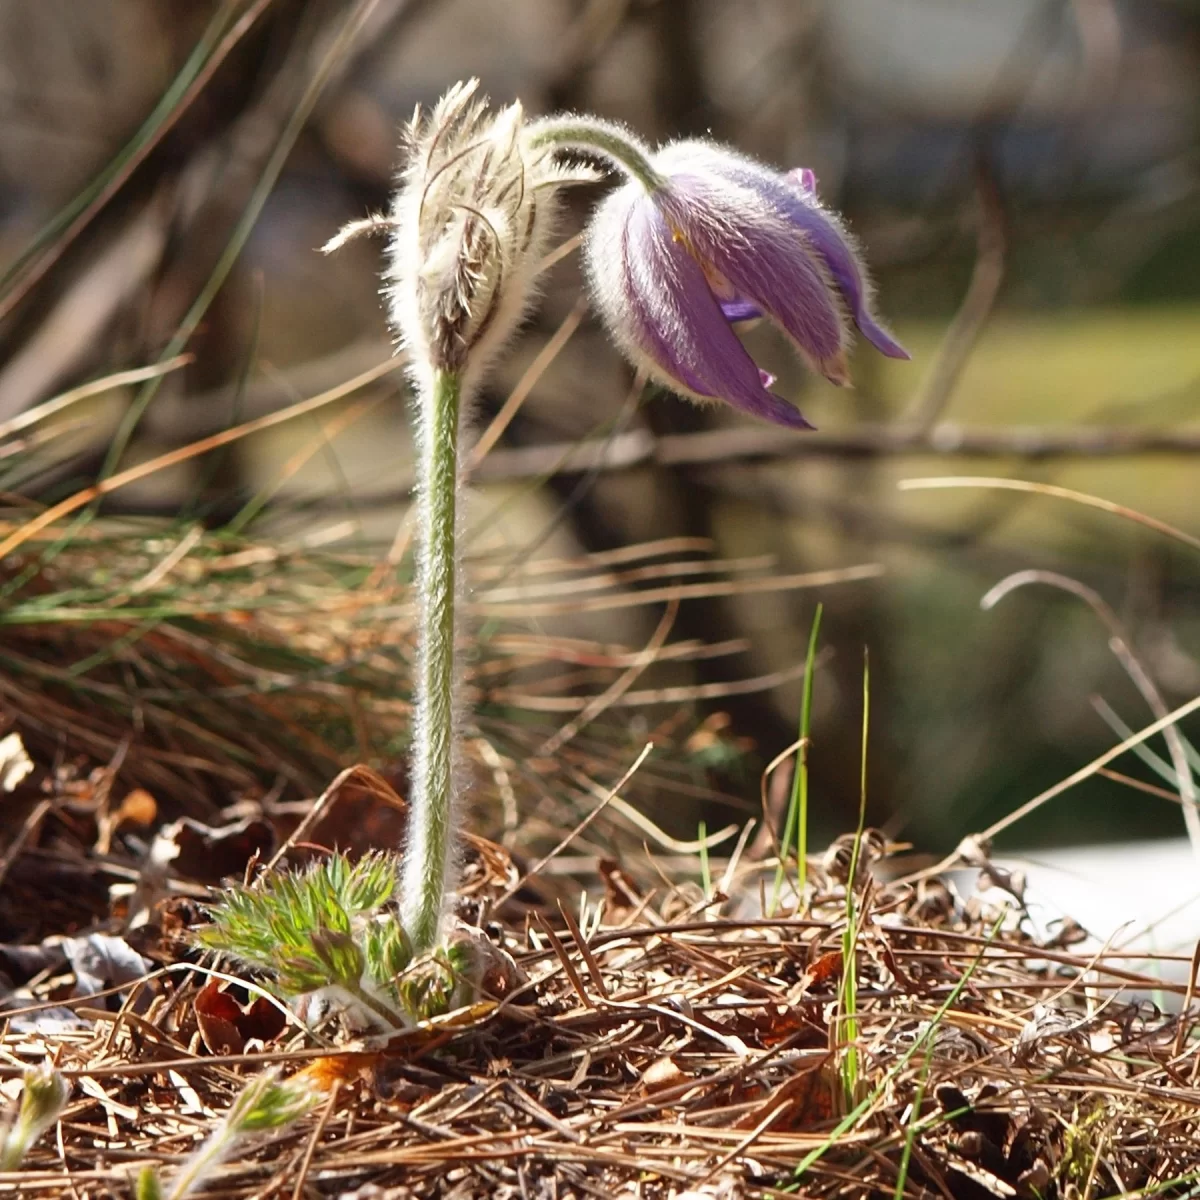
{"x": 719, "y": 239}
{"x": 804, "y": 179}
{"x": 658, "y": 303}
{"x": 835, "y": 245}
{"x": 744, "y": 243}
{"x": 793, "y": 197}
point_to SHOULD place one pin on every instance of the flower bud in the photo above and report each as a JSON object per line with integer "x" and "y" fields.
{"x": 470, "y": 223}
{"x": 43, "y": 1099}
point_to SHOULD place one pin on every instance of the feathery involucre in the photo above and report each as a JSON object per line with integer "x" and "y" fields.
{"x": 471, "y": 220}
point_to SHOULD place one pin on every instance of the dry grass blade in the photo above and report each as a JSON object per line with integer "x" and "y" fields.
{"x": 81, "y": 499}
{"x": 1058, "y": 493}
{"x": 574, "y": 833}
{"x": 549, "y": 352}
{"x": 692, "y": 591}
{"x": 617, "y": 689}
{"x": 1119, "y": 643}
{"x": 1071, "y": 780}
{"x": 97, "y": 387}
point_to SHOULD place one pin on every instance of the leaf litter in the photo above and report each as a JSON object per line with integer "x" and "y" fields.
{"x": 680, "y": 1047}
{"x": 666, "y": 1040}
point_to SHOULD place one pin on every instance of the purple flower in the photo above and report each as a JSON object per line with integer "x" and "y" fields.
{"x": 724, "y": 239}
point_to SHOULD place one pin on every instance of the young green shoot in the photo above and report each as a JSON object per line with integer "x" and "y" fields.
{"x": 796, "y": 824}
{"x": 43, "y": 1099}
{"x": 848, "y": 988}
{"x": 266, "y": 1103}
{"x": 705, "y": 870}
{"x": 332, "y": 932}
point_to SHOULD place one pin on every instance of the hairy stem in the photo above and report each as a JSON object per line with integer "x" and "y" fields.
{"x": 203, "y": 1162}
{"x": 389, "y": 1017}
{"x": 604, "y": 139}
{"x": 435, "y": 749}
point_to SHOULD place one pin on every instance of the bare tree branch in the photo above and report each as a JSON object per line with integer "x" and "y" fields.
{"x": 761, "y": 444}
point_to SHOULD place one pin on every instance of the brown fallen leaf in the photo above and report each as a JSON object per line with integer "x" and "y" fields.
{"x": 226, "y": 1026}
{"x": 825, "y": 967}
{"x": 138, "y": 808}
{"x": 206, "y": 854}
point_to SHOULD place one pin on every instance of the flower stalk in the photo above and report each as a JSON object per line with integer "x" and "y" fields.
{"x": 470, "y": 223}
{"x": 603, "y": 138}
{"x": 436, "y": 745}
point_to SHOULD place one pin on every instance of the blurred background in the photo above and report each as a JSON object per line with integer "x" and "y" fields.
{"x": 1024, "y": 178}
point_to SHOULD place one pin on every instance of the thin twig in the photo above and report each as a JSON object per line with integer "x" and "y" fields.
{"x": 640, "y": 448}
{"x": 954, "y": 353}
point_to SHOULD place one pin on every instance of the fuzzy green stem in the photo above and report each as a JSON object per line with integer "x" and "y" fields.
{"x": 389, "y": 1017}
{"x": 602, "y": 138}
{"x": 148, "y": 1186}
{"x": 427, "y": 855}
{"x": 203, "y": 1162}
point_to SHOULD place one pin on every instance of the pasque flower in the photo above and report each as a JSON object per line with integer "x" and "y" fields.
{"x": 699, "y": 238}
{"x": 706, "y": 238}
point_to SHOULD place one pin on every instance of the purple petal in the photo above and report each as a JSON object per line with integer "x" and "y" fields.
{"x": 745, "y": 242}
{"x": 804, "y": 180}
{"x": 834, "y": 244}
{"x": 658, "y": 304}
{"x": 793, "y": 196}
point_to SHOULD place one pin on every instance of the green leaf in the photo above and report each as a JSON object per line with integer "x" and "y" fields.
{"x": 339, "y": 953}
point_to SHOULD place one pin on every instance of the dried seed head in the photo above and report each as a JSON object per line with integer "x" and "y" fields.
{"x": 470, "y": 222}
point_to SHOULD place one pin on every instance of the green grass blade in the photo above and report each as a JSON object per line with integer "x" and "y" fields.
{"x": 919, "y": 1043}
{"x": 1159, "y": 765}
{"x": 796, "y": 824}
{"x": 242, "y": 230}
{"x": 848, "y": 989}
{"x": 910, "y": 1132}
{"x": 142, "y": 141}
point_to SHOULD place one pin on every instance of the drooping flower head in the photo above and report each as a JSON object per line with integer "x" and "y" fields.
{"x": 708, "y": 238}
